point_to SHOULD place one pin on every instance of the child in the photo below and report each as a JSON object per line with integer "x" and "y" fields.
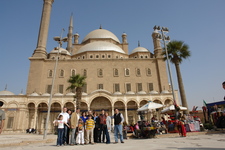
{"x": 80, "y": 132}
{"x": 89, "y": 124}
{"x": 60, "y": 123}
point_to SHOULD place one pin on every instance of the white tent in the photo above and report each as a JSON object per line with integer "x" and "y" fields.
{"x": 149, "y": 106}
{"x": 171, "y": 107}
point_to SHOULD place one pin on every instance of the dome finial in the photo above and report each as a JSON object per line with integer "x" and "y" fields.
{"x": 100, "y": 26}
{"x": 138, "y": 43}
{"x": 5, "y": 87}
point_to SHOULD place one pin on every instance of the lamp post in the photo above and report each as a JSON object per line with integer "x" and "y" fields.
{"x": 59, "y": 40}
{"x": 166, "y": 40}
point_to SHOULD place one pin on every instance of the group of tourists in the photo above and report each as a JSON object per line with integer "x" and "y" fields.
{"x": 88, "y": 128}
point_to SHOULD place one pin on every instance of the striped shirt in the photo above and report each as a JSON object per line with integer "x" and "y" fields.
{"x": 90, "y": 124}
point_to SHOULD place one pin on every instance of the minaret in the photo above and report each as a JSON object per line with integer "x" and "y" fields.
{"x": 157, "y": 45}
{"x": 70, "y": 35}
{"x": 40, "y": 50}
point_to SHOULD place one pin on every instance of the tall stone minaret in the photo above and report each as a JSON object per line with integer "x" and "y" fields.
{"x": 40, "y": 50}
{"x": 70, "y": 35}
{"x": 157, "y": 45}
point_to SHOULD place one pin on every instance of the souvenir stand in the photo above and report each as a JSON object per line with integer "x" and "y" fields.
{"x": 147, "y": 131}
{"x": 173, "y": 114}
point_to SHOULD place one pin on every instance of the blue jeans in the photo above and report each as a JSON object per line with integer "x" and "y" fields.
{"x": 65, "y": 134}
{"x": 60, "y": 136}
{"x": 118, "y": 130}
{"x": 107, "y": 136}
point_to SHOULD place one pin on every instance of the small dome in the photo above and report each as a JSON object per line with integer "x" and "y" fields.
{"x": 58, "y": 94}
{"x": 124, "y": 33}
{"x": 117, "y": 93}
{"x": 21, "y": 94}
{"x": 76, "y": 34}
{"x": 34, "y": 94}
{"x": 45, "y": 94}
{"x": 130, "y": 92}
{"x": 139, "y": 49}
{"x": 165, "y": 92}
{"x": 70, "y": 94}
{"x": 61, "y": 51}
{"x": 153, "y": 92}
{"x": 100, "y": 46}
{"x": 6, "y": 93}
{"x": 141, "y": 92}
{"x": 100, "y": 33}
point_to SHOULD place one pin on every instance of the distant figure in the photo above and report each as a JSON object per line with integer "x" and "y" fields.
{"x": 223, "y": 84}
{"x": 2, "y": 117}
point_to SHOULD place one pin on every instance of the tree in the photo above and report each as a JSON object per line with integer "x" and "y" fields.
{"x": 77, "y": 82}
{"x": 177, "y": 52}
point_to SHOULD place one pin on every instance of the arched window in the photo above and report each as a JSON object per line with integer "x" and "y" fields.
{"x": 61, "y": 73}
{"x": 138, "y": 72}
{"x": 127, "y": 72}
{"x": 97, "y": 56}
{"x": 85, "y": 72}
{"x": 100, "y": 73}
{"x": 50, "y": 73}
{"x": 116, "y": 72}
{"x": 91, "y": 56}
{"x": 148, "y": 71}
{"x": 73, "y": 72}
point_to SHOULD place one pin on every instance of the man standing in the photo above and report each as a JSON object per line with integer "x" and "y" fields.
{"x": 118, "y": 121}
{"x": 2, "y": 117}
{"x": 103, "y": 126}
{"x": 74, "y": 123}
{"x": 223, "y": 84}
{"x": 66, "y": 118}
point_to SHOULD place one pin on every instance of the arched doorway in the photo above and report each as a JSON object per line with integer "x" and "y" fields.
{"x": 83, "y": 107}
{"x": 168, "y": 102}
{"x": 146, "y": 116}
{"x": 70, "y": 105}
{"x": 132, "y": 112}
{"x": 31, "y": 114}
{"x": 157, "y": 112}
{"x": 55, "y": 111}
{"x": 100, "y": 103}
{"x": 121, "y": 106}
{"x": 42, "y": 115}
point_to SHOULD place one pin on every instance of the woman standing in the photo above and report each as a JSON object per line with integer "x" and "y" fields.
{"x": 108, "y": 124}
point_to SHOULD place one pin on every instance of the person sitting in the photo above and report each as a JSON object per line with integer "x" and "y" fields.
{"x": 137, "y": 131}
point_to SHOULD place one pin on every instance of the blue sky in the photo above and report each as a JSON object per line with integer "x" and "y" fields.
{"x": 199, "y": 23}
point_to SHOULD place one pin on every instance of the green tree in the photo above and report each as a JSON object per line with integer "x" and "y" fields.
{"x": 177, "y": 52}
{"x": 77, "y": 82}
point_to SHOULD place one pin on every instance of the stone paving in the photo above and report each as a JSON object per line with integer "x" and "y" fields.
{"x": 193, "y": 141}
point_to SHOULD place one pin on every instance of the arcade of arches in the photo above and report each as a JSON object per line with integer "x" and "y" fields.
{"x": 33, "y": 114}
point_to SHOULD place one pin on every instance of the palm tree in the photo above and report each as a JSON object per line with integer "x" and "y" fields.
{"x": 177, "y": 52}
{"x": 77, "y": 82}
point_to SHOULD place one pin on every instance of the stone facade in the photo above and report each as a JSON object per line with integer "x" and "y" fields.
{"x": 115, "y": 78}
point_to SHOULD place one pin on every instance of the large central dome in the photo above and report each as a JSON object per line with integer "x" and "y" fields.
{"x": 100, "y": 33}
{"x": 100, "y": 46}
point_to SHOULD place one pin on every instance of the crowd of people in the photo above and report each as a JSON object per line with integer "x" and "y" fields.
{"x": 75, "y": 128}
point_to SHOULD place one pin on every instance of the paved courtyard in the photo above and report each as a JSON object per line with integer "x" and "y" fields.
{"x": 197, "y": 141}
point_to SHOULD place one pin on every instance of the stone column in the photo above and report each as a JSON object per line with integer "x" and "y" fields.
{"x": 40, "y": 50}
{"x": 35, "y": 118}
{"x": 126, "y": 116}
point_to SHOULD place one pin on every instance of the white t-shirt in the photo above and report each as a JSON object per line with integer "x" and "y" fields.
{"x": 66, "y": 116}
{"x": 60, "y": 124}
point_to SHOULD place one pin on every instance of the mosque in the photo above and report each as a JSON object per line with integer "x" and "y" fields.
{"x": 115, "y": 78}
